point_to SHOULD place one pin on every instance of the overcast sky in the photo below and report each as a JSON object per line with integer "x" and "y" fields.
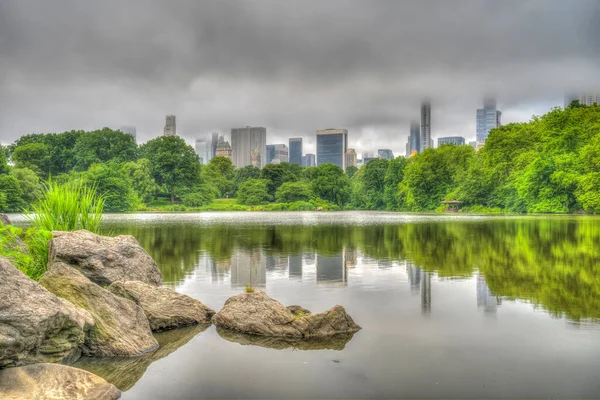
{"x": 291, "y": 66}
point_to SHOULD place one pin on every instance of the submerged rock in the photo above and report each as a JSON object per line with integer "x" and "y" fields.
{"x": 36, "y": 325}
{"x": 121, "y": 327}
{"x": 258, "y": 314}
{"x": 54, "y": 381}
{"x": 165, "y": 308}
{"x": 102, "y": 259}
{"x": 332, "y": 342}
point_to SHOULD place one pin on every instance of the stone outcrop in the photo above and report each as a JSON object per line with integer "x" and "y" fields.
{"x": 257, "y": 314}
{"x": 54, "y": 381}
{"x": 333, "y": 342}
{"x": 36, "y": 325}
{"x": 121, "y": 327}
{"x": 165, "y": 308}
{"x": 102, "y": 259}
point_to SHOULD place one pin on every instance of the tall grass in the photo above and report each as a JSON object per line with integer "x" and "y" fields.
{"x": 68, "y": 207}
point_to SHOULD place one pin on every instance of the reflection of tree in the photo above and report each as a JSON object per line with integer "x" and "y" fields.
{"x": 553, "y": 262}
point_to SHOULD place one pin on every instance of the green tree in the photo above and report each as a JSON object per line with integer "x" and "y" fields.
{"x": 254, "y": 191}
{"x": 113, "y": 185}
{"x": 294, "y": 191}
{"x": 34, "y": 156}
{"x": 220, "y": 174}
{"x": 331, "y": 184}
{"x": 241, "y": 175}
{"x": 202, "y": 195}
{"x": 140, "y": 174}
{"x": 393, "y": 176}
{"x": 29, "y": 183}
{"x": 174, "y": 163}
{"x": 350, "y": 171}
{"x": 3, "y": 163}
{"x": 278, "y": 174}
{"x": 102, "y": 146}
{"x": 13, "y": 194}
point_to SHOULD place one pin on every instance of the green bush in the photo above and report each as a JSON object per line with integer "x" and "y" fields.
{"x": 28, "y": 251}
{"x": 254, "y": 191}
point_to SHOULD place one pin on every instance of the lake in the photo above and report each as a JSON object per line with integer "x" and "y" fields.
{"x": 458, "y": 306}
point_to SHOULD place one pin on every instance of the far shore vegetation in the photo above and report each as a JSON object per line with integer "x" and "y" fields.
{"x": 548, "y": 165}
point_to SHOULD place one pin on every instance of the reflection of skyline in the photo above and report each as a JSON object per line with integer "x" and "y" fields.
{"x": 295, "y": 266}
{"x": 485, "y": 297}
{"x": 332, "y": 268}
{"x": 420, "y": 282}
{"x": 248, "y": 268}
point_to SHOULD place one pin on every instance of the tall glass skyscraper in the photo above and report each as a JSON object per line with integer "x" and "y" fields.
{"x": 488, "y": 118}
{"x": 248, "y": 141}
{"x": 296, "y": 151}
{"x": 332, "y": 145}
{"x": 204, "y": 151}
{"x": 426, "y": 141}
{"x": 414, "y": 140}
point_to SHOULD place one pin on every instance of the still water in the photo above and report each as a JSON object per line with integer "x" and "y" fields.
{"x": 450, "y": 305}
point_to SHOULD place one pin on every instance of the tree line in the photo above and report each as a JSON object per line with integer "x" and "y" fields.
{"x": 549, "y": 164}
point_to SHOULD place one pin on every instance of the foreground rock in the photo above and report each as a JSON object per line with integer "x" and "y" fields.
{"x": 54, "y": 381}
{"x": 124, "y": 372}
{"x": 35, "y": 325}
{"x": 333, "y": 342}
{"x": 121, "y": 328}
{"x": 104, "y": 260}
{"x": 4, "y": 220}
{"x": 165, "y": 308}
{"x": 257, "y": 314}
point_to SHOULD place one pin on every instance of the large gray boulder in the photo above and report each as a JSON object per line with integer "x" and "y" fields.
{"x": 103, "y": 259}
{"x": 257, "y": 314}
{"x": 54, "y": 381}
{"x": 165, "y": 308}
{"x": 121, "y": 328}
{"x": 35, "y": 325}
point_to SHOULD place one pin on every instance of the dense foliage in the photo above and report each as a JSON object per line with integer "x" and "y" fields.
{"x": 550, "y": 164}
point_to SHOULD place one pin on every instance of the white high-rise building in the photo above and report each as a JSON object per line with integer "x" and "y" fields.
{"x": 426, "y": 140}
{"x": 204, "y": 151}
{"x": 488, "y": 118}
{"x": 170, "y": 126}
{"x": 247, "y": 143}
{"x": 589, "y": 98}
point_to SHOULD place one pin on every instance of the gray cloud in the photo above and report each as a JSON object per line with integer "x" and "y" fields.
{"x": 293, "y": 67}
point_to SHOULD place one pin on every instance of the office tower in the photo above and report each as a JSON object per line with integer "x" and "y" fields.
{"x": 215, "y": 141}
{"x": 296, "y": 151}
{"x": 203, "y": 150}
{"x": 589, "y": 98}
{"x": 488, "y": 118}
{"x": 367, "y": 157}
{"x": 455, "y": 140}
{"x": 245, "y": 142}
{"x": 223, "y": 149}
{"x": 426, "y": 141}
{"x": 170, "y": 126}
{"x": 351, "y": 158}
{"x": 414, "y": 139}
{"x": 270, "y": 153}
{"x": 332, "y": 145}
{"x": 130, "y": 130}
{"x": 309, "y": 160}
{"x": 277, "y": 153}
{"x": 386, "y": 154}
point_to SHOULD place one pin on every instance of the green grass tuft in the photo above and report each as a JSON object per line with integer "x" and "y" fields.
{"x": 249, "y": 289}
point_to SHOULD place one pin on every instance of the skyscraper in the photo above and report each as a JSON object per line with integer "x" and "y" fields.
{"x": 296, "y": 151}
{"x": 426, "y": 141}
{"x": 130, "y": 130}
{"x": 309, "y": 160}
{"x": 488, "y": 118}
{"x": 455, "y": 140}
{"x": 277, "y": 153}
{"x": 589, "y": 98}
{"x": 414, "y": 139}
{"x": 170, "y": 126}
{"x": 386, "y": 154}
{"x": 203, "y": 150}
{"x": 213, "y": 146}
{"x": 332, "y": 145}
{"x": 245, "y": 141}
{"x": 223, "y": 149}
{"x": 351, "y": 158}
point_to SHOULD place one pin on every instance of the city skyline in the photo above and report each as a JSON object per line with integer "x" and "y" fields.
{"x": 270, "y": 70}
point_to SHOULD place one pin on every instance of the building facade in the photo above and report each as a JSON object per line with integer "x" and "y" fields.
{"x": 214, "y": 142}
{"x": 245, "y": 141}
{"x": 589, "y": 98}
{"x": 223, "y": 149}
{"x": 332, "y": 145}
{"x": 414, "y": 139}
{"x": 426, "y": 141}
{"x": 296, "y": 151}
{"x": 351, "y": 158}
{"x": 277, "y": 153}
{"x": 204, "y": 151}
{"x": 488, "y": 118}
{"x": 386, "y": 154}
{"x": 454, "y": 140}
{"x": 170, "y": 126}
{"x": 309, "y": 160}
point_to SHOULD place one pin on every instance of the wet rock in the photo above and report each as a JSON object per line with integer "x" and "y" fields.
{"x": 257, "y": 314}
{"x": 54, "y": 381}
{"x": 36, "y": 325}
{"x": 124, "y": 372}
{"x": 121, "y": 328}
{"x": 332, "y": 342}
{"x": 165, "y": 308}
{"x": 298, "y": 310}
{"x": 102, "y": 259}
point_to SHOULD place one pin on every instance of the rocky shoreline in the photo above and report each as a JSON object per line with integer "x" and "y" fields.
{"x": 103, "y": 297}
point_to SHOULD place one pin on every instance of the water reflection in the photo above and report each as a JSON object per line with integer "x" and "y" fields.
{"x": 551, "y": 262}
{"x": 334, "y": 342}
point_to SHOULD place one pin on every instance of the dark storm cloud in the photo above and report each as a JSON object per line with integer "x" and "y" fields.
{"x": 291, "y": 66}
